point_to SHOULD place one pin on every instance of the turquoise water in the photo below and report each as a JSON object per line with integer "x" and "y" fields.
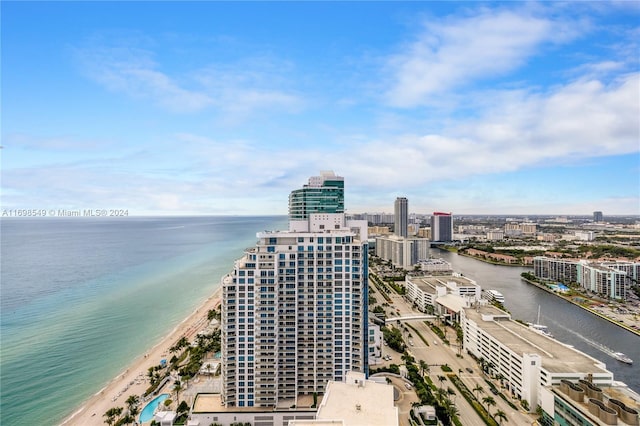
{"x": 82, "y": 298}
{"x": 147, "y": 412}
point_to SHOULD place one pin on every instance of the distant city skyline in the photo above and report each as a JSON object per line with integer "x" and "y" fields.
{"x": 212, "y": 108}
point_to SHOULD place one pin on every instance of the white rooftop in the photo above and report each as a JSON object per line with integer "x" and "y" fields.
{"x": 357, "y": 402}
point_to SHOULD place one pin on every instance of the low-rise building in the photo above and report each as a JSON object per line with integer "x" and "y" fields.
{"x": 355, "y": 402}
{"x": 425, "y": 290}
{"x": 582, "y": 403}
{"x": 526, "y": 360}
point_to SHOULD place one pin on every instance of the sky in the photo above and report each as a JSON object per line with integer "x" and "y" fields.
{"x": 215, "y": 108}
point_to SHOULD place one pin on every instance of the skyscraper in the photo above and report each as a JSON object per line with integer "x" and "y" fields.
{"x": 441, "y": 227}
{"x": 401, "y": 217}
{"x": 598, "y": 217}
{"x": 323, "y": 194}
{"x": 294, "y": 310}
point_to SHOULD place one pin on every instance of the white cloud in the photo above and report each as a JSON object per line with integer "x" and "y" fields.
{"x": 133, "y": 72}
{"x": 517, "y": 130}
{"x": 452, "y": 53}
{"x": 235, "y": 91}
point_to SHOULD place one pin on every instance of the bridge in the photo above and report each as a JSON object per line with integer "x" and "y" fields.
{"x": 409, "y": 318}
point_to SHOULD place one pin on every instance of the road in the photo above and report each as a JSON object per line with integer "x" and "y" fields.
{"x": 436, "y": 354}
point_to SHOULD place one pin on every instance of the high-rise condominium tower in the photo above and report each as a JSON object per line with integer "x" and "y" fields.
{"x": 401, "y": 217}
{"x": 294, "y": 309}
{"x": 441, "y": 226}
{"x": 598, "y": 217}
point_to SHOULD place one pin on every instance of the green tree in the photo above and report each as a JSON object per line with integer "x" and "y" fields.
{"x": 183, "y": 407}
{"x": 424, "y": 367}
{"x": 112, "y": 414}
{"x": 478, "y": 390}
{"x": 501, "y": 416}
{"x": 177, "y": 387}
{"x": 490, "y": 402}
{"x": 441, "y": 379}
{"x": 127, "y": 419}
{"x": 451, "y": 409}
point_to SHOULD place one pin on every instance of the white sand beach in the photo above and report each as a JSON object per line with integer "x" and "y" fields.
{"x": 133, "y": 380}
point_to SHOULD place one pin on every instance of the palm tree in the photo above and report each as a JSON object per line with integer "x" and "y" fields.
{"x": 132, "y": 401}
{"x": 126, "y": 420}
{"x": 132, "y": 405}
{"x": 111, "y": 414}
{"x": 451, "y": 410}
{"x": 501, "y": 416}
{"x": 451, "y": 393}
{"x": 424, "y": 367}
{"x": 489, "y": 401}
{"x": 177, "y": 386}
{"x": 478, "y": 389}
{"x": 441, "y": 379}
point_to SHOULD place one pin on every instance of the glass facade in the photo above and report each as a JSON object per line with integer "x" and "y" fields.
{"x": 327, "y": 198}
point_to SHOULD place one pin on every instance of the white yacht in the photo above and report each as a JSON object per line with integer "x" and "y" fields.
{"x": 492, "y": 295}
{"x": 622, "y": 357}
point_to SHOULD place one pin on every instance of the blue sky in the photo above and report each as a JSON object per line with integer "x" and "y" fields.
{"x": 223, "y": 108}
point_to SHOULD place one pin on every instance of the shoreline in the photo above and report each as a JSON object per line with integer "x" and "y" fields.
{"x": 133, "y": 379}
{"x": 542, "y": 287}
{"x": 591, "y": 311}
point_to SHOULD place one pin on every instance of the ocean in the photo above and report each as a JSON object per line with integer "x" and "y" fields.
{"x": 81, "y": 298}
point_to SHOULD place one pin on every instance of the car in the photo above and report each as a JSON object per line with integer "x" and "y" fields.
{"x": 407, "y": 385}
{"x": 469, "y": 370}
{"x": 494, "y": 391}
{"x": 435, "y": 342}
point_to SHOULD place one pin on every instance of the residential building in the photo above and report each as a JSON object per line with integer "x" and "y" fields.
{"x": 402, "y": 252}
{"x": 424, "y": 233}
{"x": 584, "y": 235}
{"x": 598, "y": 217}
{"x": 526, "y": 360}
{"x": 512, "y": 229}
{"x": 603, "y": 280}
{"x": 495, "y": 235}
{"x": 552, "y": 269}
{"x": 374, "y": 343}
{"x": 610, "y": 279}
{"x": 401, "y": 217}
{"x": 529, "y": 228}
{"x": 442, "y": 227}
{"x": 378, "y": 230}
{"x": 323, "y": 194}
{"x": 294, "y": 309}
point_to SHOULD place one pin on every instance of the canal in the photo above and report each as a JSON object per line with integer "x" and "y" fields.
{"x": 568, "y": 323}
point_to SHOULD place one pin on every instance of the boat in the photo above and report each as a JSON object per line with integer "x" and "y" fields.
{"x": 540, "y": 328}
{"x": 622, "y": 358}
{"x": 493, "y": 295}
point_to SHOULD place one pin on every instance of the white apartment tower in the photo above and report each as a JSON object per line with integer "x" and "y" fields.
{"x": 401, "y": 217}
{"x": 294, "y": 310}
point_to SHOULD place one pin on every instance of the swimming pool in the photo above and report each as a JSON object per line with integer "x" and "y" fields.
{"x": 147, "y": 412}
